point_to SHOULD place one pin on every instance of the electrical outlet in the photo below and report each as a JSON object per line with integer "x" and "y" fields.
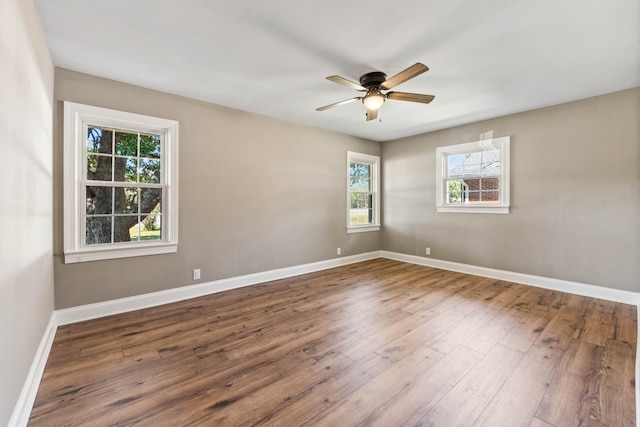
{"x": 196, "y": 274}
{"x": 428, "y": 251}
{"x": 339, "y": 251}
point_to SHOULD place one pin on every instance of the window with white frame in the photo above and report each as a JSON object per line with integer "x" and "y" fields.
{"x": 120, "y": 184}
{"x": 363, "y": 188}
{"x": 473, "y": 177}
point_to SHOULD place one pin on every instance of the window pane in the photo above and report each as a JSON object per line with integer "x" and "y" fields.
{"x": 151, "y": 227}
{"x": 150, "y": 146}
{"x": 473, "y": 197}
{"x": 126, "y": 169}
{"x": 490, "y": 156}
{"x": 127, "y": 144}
{"x": 457, "y": 191}
{"x": 98, "y": 230}
{"x": 150, "y": 200}
{"x": 472, "y": 165}
{"x": 490, "y": 184}
{"x": 99, "y": 140}
{"x": 359, "y": 177}
{"x": 99, "y": 200}
{"x": 126, "y": 200}
{"x": 491, "y": 163}
{"x": 121, "y": 227}
{"x": 361, "y": 211}
{"x": 361, "y": 216}
{"x": 361, "y": 201}
{"x": 99, "y": 168}
{"x": 455, "y": 168}
{"x": 473, "y": 158}
{"x": 148, "y": 228}
{"x": 472, "y": 184}
{"x": 150, "y": 171}
{"x": 490, "y": 196}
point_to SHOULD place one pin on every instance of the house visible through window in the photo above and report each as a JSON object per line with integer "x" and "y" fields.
{"x": 363, "y": 189}
{"x": 474, "y": 177}
{"x": 123, "y": 168}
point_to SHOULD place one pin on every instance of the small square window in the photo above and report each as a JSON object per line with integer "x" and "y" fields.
{"x": 473, "y": 177}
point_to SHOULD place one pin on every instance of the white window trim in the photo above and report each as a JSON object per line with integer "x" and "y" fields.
{"x": 353, "y": 156}
{"x": 76, "y": 118}
{"x": 503, "y": 144}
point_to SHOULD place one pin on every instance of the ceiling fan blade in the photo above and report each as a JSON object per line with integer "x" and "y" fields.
{"x": 372, "y": 114}
{"x": 415, "y": 70}
{"x": 345, "y": 82}
{"x": 335, "y": 104}
{"x": 413, "y": 97}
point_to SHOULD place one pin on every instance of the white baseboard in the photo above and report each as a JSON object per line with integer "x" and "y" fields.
{"x": 122, "y": 305}
{"x": 22, "y": 410}
{"x": 616, "y": 295}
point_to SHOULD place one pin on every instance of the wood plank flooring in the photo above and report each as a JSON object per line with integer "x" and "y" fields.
{"x": 378, "y": 343}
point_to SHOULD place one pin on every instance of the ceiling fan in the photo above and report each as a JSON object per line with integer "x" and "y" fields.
{"x": 372, "y": 84}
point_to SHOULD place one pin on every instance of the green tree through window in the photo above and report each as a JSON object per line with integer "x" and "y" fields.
{"x": 363, "y": 189}
{"x": 115, "y": 213}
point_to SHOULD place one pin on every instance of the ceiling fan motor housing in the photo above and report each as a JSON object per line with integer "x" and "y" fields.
{"x": 373, "y": 79}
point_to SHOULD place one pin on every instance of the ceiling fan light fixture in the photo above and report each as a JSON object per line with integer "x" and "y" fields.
{"x": 371, "y": 85}
{"x": 373, "y": 100}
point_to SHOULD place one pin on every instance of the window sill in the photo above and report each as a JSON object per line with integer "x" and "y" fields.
{"x": 102, "y": 253}
{"x": 474, "y": 209}
{"x": 363, "y": 228}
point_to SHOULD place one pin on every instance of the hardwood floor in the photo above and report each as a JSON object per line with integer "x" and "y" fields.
{"x": 378, "y": 343}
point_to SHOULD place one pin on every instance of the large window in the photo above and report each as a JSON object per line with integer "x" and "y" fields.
{"x": 120, "y": 176}
{"x": 363, "y": 185}
{"x": 473, "y": 177}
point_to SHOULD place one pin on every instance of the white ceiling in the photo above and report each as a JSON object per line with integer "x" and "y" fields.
{"x": 487, "y": 58}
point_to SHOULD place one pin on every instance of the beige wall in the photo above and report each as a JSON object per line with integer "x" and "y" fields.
{"x": 255, "y": 194}
{"x": 575, "y": 195}
{"x": 26, "y": 216}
